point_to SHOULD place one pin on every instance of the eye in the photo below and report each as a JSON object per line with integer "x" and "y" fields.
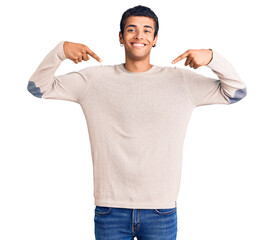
{"x": 148, "y": 31}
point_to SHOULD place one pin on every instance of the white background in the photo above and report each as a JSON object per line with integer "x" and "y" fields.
{"x": 46, "y": 181}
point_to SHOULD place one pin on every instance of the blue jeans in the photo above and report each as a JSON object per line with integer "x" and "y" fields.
{"x": 145, "y": 224}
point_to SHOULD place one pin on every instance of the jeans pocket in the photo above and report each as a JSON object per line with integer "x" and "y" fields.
{"x": 102, "y": 210}
{"x": 165, "y": 211}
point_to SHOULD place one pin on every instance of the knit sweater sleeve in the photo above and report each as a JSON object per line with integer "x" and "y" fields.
{"x": 43, "y": 84}
{"x": 227, "y": 89}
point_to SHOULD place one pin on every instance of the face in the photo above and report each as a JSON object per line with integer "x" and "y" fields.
{"x": 138, "y": 29}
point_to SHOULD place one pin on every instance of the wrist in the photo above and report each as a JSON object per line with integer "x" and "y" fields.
{"x": 211, "y": 55}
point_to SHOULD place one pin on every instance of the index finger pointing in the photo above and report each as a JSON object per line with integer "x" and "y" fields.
{"x": 181, "y": 57}
{"x": 91, "y": 53}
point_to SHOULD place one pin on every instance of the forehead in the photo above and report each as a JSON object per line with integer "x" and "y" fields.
{"x": 139, "y": 21}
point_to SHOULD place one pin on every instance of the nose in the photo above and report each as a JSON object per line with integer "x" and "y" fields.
{"x": 138, "y": 35}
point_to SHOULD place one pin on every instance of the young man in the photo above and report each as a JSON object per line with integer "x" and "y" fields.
{"x": 137, "y": 114}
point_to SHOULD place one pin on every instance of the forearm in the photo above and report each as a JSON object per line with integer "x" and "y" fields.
{"x": 234, "y": 88}
{"x": 44, "y": 74}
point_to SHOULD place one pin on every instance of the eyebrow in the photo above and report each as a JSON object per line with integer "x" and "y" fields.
{"x": 132, "y": 25}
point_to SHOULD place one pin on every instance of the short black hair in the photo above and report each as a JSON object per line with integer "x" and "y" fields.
{"x": 139, "y": 11}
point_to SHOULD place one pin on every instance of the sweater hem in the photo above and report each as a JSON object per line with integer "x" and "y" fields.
{"x": 137, "y": 205}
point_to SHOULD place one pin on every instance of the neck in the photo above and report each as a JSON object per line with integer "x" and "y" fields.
{"x": 137, "y": 66}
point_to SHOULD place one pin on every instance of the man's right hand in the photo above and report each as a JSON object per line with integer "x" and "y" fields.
{"x": 77, "y": 52}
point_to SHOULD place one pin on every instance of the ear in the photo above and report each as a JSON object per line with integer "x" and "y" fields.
{"x": 155, "y": 40}
{"x": 121, "y": 38}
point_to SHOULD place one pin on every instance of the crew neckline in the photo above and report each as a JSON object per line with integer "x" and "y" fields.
{"x": 122, "y": 67}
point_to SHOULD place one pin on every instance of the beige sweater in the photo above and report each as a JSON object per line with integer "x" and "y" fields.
{"x": 136, "y": 122}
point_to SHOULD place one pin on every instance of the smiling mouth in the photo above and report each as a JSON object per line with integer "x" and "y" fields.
{"x": 138, "y": 45}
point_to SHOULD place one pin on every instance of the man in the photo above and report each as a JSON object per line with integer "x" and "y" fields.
{"x": 137, "y": 114}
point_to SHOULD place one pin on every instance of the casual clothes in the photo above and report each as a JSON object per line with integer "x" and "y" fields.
{"x": 137, "y": 122}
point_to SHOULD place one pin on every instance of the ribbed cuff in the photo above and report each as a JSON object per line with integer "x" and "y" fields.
{"x": 215, "y": 61}
{"x": 60, "y": 50}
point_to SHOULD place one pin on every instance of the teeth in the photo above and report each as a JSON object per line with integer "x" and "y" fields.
{"x": 137, "y": 44}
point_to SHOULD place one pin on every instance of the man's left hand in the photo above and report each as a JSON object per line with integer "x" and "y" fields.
{"x": 195, "y": 57}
